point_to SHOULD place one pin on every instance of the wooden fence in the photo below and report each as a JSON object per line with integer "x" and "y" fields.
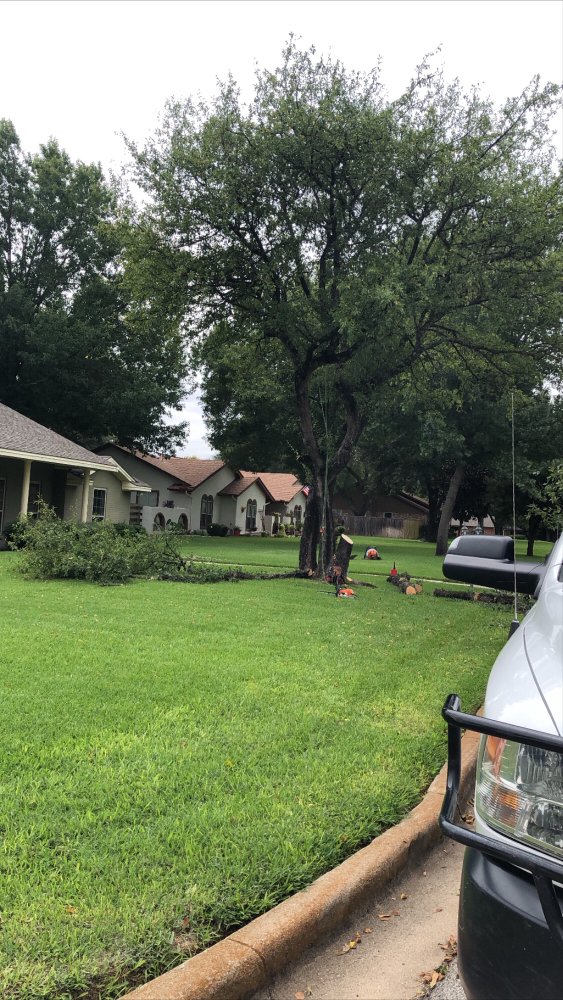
{"x": 386, "y": 527}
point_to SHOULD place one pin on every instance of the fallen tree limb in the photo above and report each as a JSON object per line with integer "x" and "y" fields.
{"x": 507, "y": 599}
{"x": 404, "y": 583}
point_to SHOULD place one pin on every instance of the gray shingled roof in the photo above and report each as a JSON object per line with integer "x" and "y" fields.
{"x": 22, "y": 435}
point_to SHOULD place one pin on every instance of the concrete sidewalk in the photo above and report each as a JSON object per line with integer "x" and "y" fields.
{"x": 249, "y": 959}
{"x": 402, "y": 934}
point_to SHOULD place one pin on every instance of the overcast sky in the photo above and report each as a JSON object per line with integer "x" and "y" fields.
{"x": 84, "y": 71}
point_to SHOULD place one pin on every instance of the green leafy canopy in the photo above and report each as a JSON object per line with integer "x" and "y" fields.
{"x": 360, "y": 235}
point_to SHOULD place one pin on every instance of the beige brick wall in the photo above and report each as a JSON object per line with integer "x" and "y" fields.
{"x": 117, "y": 501}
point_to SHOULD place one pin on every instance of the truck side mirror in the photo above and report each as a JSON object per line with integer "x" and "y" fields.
{"x": 488, "y": 560}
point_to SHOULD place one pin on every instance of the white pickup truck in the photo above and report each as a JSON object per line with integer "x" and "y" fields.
{"x": 510, "y": 935}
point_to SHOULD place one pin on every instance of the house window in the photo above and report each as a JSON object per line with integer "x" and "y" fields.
{"x": 206, "y": 517}
{"x": 33, "y": 498}
{"x": 148, "y": 499}
{"x": 2, "y": 495}
{"x": 99, "y": 505}
{"x": 388, "y": 513}
{"x": 298, "y": 515}
{"x": 251, "y": 516}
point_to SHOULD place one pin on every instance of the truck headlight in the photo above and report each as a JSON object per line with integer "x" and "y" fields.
{"x": 520, "y": 792}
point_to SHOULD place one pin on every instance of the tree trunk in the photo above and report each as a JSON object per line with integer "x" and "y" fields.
{"x": 341, "y": 558}
{"x": 318, "y": 513}
{"x": 327, "y": 540}
{"x": 308, "y": 545}
{"x": 533, "y": 525}
{"x": 433, "y": 515}
{"x": 447, "y": 511}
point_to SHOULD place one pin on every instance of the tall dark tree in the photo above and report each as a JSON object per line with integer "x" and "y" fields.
{"x": 74, "y": 353}
{"x": 359, "y": 235}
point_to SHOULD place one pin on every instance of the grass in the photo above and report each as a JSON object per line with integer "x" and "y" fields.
{"x": 175, "y": 760}
{"x": 416, "y": 558}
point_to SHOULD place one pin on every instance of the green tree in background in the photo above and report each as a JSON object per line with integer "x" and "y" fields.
{"x": 74, "y": 354}
{"x": 359, "y": 235}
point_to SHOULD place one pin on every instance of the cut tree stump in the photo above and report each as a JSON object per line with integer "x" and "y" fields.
{"x": 338, "y": 571}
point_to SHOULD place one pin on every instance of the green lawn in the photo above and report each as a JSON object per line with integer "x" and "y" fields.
{"x": 175, "y": 759}
{"x": 279, "y": 554}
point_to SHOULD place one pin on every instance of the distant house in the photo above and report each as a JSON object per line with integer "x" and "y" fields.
{"x": 397, "y": 514}
{"x": 81, "y": 485}
{"x": 247, "y": 497}
{"x": 194, "y": 492}
{"x": 289, "y": 498}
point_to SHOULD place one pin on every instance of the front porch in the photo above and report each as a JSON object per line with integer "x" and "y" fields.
{"x": 23, "y": 482}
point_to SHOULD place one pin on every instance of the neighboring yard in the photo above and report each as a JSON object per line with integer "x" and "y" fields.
{"x": 176, "y": 759}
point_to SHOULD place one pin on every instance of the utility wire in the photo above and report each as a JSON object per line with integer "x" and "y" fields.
{"x": 514, "y": 511}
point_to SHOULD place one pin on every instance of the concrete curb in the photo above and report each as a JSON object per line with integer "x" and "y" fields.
{"x": 247, "y": 960}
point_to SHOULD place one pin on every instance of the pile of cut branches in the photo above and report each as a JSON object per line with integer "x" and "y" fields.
{"x": 404, "y": 583}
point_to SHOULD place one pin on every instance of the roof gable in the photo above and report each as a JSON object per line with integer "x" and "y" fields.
{"x": 283, "y": 486}
{"x": 193, "y": 471}
{"x": 242, "y": 483}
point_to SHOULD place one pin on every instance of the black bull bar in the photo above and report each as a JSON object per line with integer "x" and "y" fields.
{"x": 544, "y": 870}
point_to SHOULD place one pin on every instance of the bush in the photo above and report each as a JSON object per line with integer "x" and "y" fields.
{"x": 101, "y": 552}
{"x": 13, "y": 534}
{"x": 217, "y": 529}
{"x": 129, "y": 530}
{"x": 281, "y": 531}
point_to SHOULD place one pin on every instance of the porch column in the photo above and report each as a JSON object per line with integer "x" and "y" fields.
{"x": 85, "y": 496}
{"x": 25, "y": 487}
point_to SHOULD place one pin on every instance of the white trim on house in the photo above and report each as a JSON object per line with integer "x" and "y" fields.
{"x": 73, "y": 463}
{"x": 96, "y": 516}
{"x": 128, "y": 484}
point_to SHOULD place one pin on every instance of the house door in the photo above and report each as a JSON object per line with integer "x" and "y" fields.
{"x": 33, "y": 498}
{"x": 251, "y": 516}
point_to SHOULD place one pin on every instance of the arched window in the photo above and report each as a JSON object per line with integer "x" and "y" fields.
{"x": 183, "y": 522}
{"x": 298, "y": 515}
{"x": 158, "y": 523}
{"x": 206, "y": 517}
{"x": 251, "y": 515}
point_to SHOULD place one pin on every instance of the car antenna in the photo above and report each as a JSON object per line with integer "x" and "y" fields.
{"x": 515, "y": 622}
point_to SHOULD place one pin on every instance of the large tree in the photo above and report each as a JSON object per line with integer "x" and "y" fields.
{"x": 74, "y": 352}
{"x": 358, "y": 234}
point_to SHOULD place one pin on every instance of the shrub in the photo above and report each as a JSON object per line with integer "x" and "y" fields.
{"x": 281, "y": 531}
{"x": 13, "y": 534}
{"x": 100, "y": 552}
{"x": 217, "y": 529}
{"x": 129, "y": 530}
